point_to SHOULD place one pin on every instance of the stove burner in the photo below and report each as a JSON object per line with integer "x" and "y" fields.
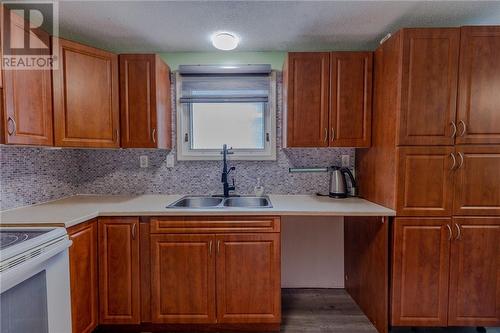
{"x": 9, "y": 238}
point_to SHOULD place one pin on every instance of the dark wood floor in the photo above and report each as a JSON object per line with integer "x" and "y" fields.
{"x": 321, "y": 311}
{"x": 333, "y": 311}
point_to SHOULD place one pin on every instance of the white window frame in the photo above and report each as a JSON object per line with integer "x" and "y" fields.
{"x": 185, "y": 153}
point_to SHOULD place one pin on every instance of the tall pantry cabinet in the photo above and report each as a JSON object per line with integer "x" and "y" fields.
{"x": 435, "y": 159}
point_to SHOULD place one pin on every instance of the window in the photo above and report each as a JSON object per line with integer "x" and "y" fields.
{"x": 236, "y": 107}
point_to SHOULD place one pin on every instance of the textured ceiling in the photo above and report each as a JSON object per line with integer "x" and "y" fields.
{"x": 167, "y": 26}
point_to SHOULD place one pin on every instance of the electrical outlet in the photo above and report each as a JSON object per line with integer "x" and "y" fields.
{"x": 144, "y": 161}
{"x": 346, "y": 160}
{"x": 170, "y": 161}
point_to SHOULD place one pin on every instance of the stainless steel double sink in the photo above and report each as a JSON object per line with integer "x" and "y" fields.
{"x": 205, "y": 202}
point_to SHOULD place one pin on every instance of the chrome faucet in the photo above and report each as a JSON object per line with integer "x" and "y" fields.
{"x": 225, "y": 172}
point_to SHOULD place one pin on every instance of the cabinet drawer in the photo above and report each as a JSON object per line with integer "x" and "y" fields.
{"x": 211, "y": 224}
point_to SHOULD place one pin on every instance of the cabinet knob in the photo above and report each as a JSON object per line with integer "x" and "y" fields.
{"x": 453, "y": 129}
{"x": 459, "y": 231}
{"x": 461, "y": 160}
{"x": 133, "y": 231}
{"x": 450, "y": 233}
{"x": 464, "y": 127}
{"x": 11, "y": 125}
{"x": 454, "y": 159}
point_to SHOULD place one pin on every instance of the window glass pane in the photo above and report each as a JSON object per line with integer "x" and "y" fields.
{"x": 239, "y": 125}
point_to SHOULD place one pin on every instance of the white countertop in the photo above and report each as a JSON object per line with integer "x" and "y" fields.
{"x": 79, "y": 208}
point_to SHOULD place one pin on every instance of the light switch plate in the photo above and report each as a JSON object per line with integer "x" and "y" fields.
{"x": 144, "y": 161}
{"x": 346, "y": 160}
{"x": 170, "y": 161}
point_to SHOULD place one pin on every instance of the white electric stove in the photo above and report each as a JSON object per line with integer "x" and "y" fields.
{"x": 34, "y": 280}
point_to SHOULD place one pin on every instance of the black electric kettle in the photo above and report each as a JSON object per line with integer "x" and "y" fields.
{"x": 338, "y": 182}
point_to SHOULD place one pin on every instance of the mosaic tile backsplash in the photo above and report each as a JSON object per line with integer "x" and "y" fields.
{"x": 30, "y": 175}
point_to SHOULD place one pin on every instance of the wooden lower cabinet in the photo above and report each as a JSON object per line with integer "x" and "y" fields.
{"x": 83, "y": 277}
{"x": 248, "y": 278}
{"x": 446, "y": 272}
{"x": 119, "y": 276}
{"x": 475, "y": 272}
{"x": 420, "y": 271}
{"x": 224, "y": 272}
{"x": 183, "y": 278}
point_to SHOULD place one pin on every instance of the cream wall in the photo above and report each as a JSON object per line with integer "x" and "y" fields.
{"x": 312, "y": 252}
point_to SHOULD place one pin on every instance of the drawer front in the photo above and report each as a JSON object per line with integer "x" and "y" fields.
{"x": 211, "y": 224}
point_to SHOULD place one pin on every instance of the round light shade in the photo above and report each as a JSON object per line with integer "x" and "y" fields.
{"x": 225, "y": 41}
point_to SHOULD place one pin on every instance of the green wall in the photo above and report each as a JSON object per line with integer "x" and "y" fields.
{"x": 174, "y": 59}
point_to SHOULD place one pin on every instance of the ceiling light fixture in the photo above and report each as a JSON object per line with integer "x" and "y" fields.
{"x": 225, "y": 41}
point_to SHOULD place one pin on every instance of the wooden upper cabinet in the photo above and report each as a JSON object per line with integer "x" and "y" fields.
{"x": 477, "y": 180}
{"x": 83, "y": 277}
{"x": 27, "y": 114}
{"x": 429, "y": 86}
{"x": 86, "y": 112}
{"x": 475, "y": 273}
{"x": 145, "y": 108}
{"x": 183, "y": 278}
{"x": 119, "y": 276}
{"x": 425, "y": 181}
{"x": 350, "y": 99}
{"x": 479, "y": 85}
{"x": 305, "y": 99}
{"x": 248, "y": 278}
{"x": 420, "y": 271}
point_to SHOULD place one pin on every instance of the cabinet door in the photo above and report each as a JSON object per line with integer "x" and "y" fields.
{"x": 144, "y": 105}
{"x": 306, "y": 99}
{"x": 429, "y": 86}
{"x": 86, "y": 97}
{"x": 27, "y": 116}
{"x": 119, "y": 293}
{"x": 477, "y": 180}
{"x": 420, "y": 271}
{"x": 183, "y": 278}
{"x": 479, "y": 100}
{"x": 475, "y": 273}
{"x": 83, "y": 277}
{"x": 425, "y": 181}
{"x": 248, "y": 278}
{"x": 350, "y": 99}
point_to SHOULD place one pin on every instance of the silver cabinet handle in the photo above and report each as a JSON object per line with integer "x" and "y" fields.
{"x": 450, "y": 233}
{"x": 461, "y": 160}
{"x": 459, "y": 231}
{"x": 11, "y": 129}
{"x": 326, "y": 134}
{"x": 218, "y": 246}
{"x": 133, "y": 230}
{"x": 454, "y": 161}
{"x": 464, "y": 126}
{"x": 153, "y": 135}
{"x": 116, "y": 135}
{"x": 210, "y": 248}
{"x": 453, "y": 129}
{"x": 332, "y": 134}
